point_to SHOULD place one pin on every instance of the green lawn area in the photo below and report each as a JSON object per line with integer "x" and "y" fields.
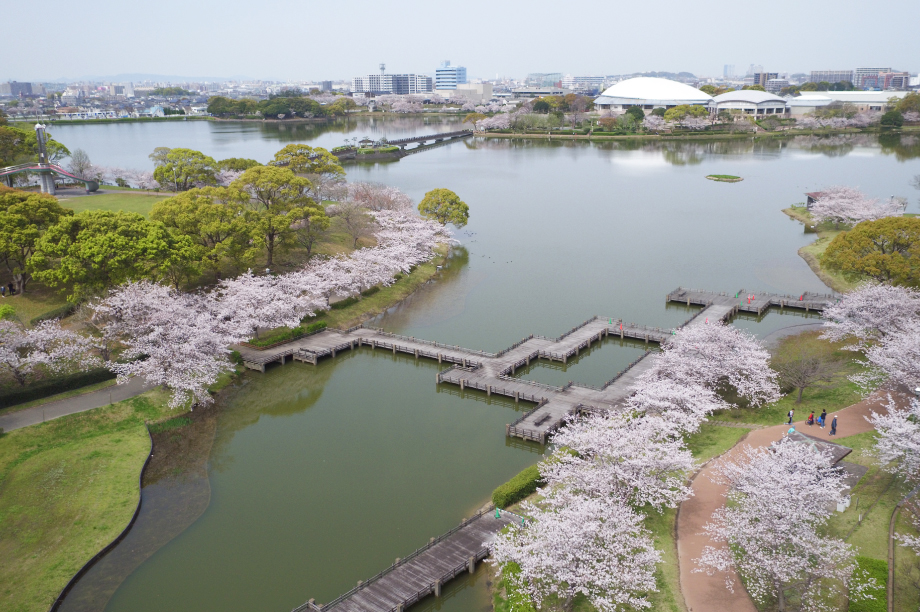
{"x": 67, "y": 488}
{"x": 731, "y": 178}
{"x": 127, "y": 202}
{"x": 37, "y": 300}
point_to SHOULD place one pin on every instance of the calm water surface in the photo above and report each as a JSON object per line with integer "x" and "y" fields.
{"x": 322, "y": 476}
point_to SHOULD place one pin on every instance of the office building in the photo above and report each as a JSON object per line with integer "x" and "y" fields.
{"x": 886, "y": 80}
{"x": 761, "y": 78}
{"x": 15, "y": 89}
{"x": 728, "y": 71}
{"x": 831, "y": 76}
{"x": 477, "y": 93}
{"x": 448, "y": 77}
{"x": 326, "y": 86}
{"x": 582, "y": 82}
{"x": 860, "y": 74}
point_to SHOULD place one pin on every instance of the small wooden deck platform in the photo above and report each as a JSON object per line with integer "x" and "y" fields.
{"x": 423, "y": 572}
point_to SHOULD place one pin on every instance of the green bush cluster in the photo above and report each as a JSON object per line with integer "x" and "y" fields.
{"x": 53, "y": 386}
{"x": 285, "y": 334}
{"x": 344, "y": 303}
{"x": 875, "y": 569}
{"x": 370, "y": 291}
{"x": 370, "y": 151}
{"x": 517, "y": 488}
{"x": 58, "y": 313}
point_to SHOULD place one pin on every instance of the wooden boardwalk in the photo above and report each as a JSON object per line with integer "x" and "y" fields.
{"x": 423, "y": 572}
{"x": 493, "y": 373}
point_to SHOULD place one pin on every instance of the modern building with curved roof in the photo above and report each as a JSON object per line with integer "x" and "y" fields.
{"x": 751, "y": 102}
{"x": 649, "y": 93}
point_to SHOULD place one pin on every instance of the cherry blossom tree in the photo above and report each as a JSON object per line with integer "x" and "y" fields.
{"x": 596, "y": 548}
{"x": 683, "y": 406}
{"x": 896, "y": 357}
{"x": 653, "y": 123}
{"x": 870, "y": 313}
{"x": 719, "y": 357}
{"x": 842, "y": 204}
{"x": 376, "y": 197}
{"x": 253, "y": 302}
{"x": 898, "y": 444}
{"x": 637, "y": 460}
{"x": 771, "y": 528}
{"x": 406, "y": 106}
{"x": 174, "y": 339}
{"x": 23, "y": 351}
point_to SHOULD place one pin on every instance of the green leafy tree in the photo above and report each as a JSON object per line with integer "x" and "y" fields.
{"x": 909, "y": 103}
{"x": 887, "y": 250}
{"x": 636, "y": 113}
{"x": 98, "y": 249}
{"x": 541, "y": 106}
{"x": 473, "y": 118}
{"x": 658, "y": 112}
{"x": 183, "y": 169}
{"x": 681, "y": 112}
{"x": 24, "y": 218}
{"x": 809, "y": 86}
{"x": 892, "y": 118}
{"x": 275, "y": 196}
{"x": 319, "y": 165}
{"x": 239, "y": 164}
{"x": 444, "y": 206}
{"x": 756, "y": 88}
{"x": 217, "y": 219}
{"x": 341, "y": 107}
{"x": 158, "y": 157}
{"x": 20, "y": 146}
{"x": 310, "y": 225}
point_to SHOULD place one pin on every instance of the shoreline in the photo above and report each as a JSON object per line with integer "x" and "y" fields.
{"x": 701, "y": 136}
{"x": 811, "y": 253}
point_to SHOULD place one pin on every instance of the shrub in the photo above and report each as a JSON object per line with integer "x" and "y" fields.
{"x": 344, "y": 303}
{"x": 236, "y": 358}
{"x": 517, "y": 488}
{"x": 892, "y": 118}
{"x": 283, "y": 334}
{"x": 370, "y": 291}
{"x": 875, "y": 569}
{"x": 58, "y": 313}
{"x": 315, "y": 327}
{"x": 7, "y": 312}
{"x": 53, "y": 386}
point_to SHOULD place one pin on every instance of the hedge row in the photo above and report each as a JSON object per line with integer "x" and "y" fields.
{"x": 344, "y": 303}
{"x": 371, "y": 291}
{"x": 58, "y": 313}
{"x": 287, "y": 333}
{"x": 875, "y": 569}
{"x": 517, "y": 488}
{"x": 53, "y": 386}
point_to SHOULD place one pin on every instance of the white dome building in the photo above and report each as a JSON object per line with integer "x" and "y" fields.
{"x": 751, "y": 102}
{"x": 648, "y": 93}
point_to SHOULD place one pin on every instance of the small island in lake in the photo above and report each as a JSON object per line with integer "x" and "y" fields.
{"x": 725, "y": 178}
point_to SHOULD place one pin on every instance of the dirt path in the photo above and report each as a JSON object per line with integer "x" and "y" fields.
{"x": 704, "y": 593}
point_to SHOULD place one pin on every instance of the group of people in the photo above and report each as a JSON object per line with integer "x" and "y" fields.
{"x": 821, "y": 421}
{"x": 3, "y": 290}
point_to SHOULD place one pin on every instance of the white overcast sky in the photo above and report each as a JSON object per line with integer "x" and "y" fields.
{"x": 276, "y": 39}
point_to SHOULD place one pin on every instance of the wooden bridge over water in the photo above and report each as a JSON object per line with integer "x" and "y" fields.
{"x": 424, "y": 572}
{"x": 493, "y": 373}
{"x": 422, "y": 143}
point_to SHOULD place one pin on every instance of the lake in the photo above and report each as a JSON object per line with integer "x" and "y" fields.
{"x": 321, "y": 476}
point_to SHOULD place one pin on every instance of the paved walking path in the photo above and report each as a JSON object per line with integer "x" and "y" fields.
{"x": 704, "y": 593}
{"x": 72, "y": 405}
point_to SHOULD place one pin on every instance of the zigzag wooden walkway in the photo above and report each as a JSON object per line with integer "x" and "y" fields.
{"x": 494, "y": 372}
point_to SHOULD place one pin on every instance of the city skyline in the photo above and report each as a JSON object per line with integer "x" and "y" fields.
{"x": 271, "y": 43}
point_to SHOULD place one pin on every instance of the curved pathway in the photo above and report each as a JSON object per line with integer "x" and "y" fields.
{"x": 704, "y": 593}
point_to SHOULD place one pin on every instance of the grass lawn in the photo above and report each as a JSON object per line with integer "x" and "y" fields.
{"x": 37, "y": 300}
{"x": 127, "y": 202}
{"x": 67, "y": 488}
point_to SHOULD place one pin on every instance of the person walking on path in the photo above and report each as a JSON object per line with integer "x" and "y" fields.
{"x": 834, "y": 426}
{"x": 790, "y": 415}
{"x": 811, "y": 419}
{"x": 822, "y": 419}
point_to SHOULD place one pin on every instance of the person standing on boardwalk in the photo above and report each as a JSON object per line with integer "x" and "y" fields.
{"x": 790, "y": 415}
{"x": 834, "y": 426}
{"x": 823, "y": 418}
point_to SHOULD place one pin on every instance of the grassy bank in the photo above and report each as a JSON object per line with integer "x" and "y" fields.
{"x": 67, "y": 488}
{"x": 370, "y": 306}
{"x": 813, "y": 252}
{"x": 140, "y": 203}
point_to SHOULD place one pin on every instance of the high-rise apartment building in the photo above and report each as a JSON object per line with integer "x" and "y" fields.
{"x": 448, "y": 77}
{"x": 728, "y": 71}
{"x": 831, "y": 76}
{"x": 16, "y": 89}
{"x": 582, "y": 82}
{"x": 403, "y": 84}
{"x": 886, "y": 80}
